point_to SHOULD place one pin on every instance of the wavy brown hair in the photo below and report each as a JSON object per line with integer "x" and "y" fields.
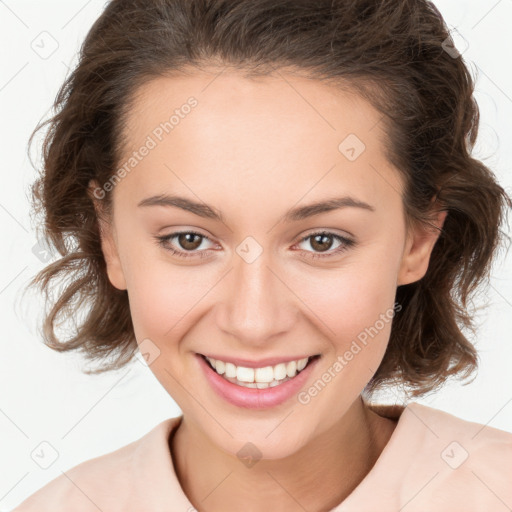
{"x": 394, "y": 53}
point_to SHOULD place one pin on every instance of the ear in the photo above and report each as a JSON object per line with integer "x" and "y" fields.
{"x": 108, "y": 239}
{"x": 418, "y": 248}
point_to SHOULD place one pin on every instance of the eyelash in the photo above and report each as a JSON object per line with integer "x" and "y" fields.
{"x": 163, "y": 242}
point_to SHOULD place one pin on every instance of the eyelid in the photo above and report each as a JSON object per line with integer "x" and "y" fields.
{"x": 346, "y": 243}
{"x": 163, "y": 241}
{"x": 330, "y": 231}
{"x": 174, "y": 234}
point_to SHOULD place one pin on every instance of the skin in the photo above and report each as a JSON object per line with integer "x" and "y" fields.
{"x": 252, "y": 149}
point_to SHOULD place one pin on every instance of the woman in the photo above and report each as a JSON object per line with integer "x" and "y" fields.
{"x": 275, "y": 204}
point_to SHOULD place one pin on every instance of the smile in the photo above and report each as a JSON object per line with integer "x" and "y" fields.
{"x": 279, "y": 383}
{"x": 261, "y": 378}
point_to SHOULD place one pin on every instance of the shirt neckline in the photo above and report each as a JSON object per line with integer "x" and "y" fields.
{"x": 391, "y": 411}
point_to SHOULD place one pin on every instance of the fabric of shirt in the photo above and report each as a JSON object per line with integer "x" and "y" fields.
{"x": 433, "y": 462}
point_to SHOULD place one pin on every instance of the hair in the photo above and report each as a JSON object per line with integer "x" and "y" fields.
{"x": 393, "y": 53}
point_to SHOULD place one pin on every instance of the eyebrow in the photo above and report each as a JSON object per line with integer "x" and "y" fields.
{"x": 292, "y": 215}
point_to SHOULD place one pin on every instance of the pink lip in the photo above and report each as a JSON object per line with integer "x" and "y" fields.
{"x": 269, "y": 361}
{"x": 254, "y": 398}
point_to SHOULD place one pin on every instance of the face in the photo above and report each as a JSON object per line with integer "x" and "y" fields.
{"x": 255, "y": 273}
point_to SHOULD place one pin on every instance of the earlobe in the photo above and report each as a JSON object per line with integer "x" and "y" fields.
{"x": 108, "y": 244}
{"x": 418, "y": 249}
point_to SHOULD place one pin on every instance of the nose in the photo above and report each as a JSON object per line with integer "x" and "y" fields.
{"x": 256, "y": 304}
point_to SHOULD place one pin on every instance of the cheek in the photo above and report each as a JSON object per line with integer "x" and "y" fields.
{"x": 356, "y": 310}
{"x": 354, "y": 307}
{"x": 162, "y": 298}
{"x": 163, "y": 303}
{"x": 349, "y": 299}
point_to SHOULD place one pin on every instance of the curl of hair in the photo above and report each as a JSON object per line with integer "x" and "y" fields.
{"x": 388, "y": 51}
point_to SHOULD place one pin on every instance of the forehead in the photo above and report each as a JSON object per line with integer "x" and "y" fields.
{"x": 303, "y": 106}
{"x": 251, "y": 136}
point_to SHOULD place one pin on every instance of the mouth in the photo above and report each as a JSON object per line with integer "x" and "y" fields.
{"x": 262, "y": 377}
{"x": 257, "y": 388}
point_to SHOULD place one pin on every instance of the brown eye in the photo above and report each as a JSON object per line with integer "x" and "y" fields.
{"x": 321, "y": 242}
{"x": 185, "y": 244}
{"x": 189, "y": 241}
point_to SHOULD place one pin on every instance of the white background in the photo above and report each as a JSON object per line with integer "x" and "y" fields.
{"x": 44, "y": 396}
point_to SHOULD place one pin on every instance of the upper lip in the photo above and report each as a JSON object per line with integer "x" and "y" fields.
{"x": 247, "y": 363}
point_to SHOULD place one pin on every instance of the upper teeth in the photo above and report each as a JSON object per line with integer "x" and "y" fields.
{"x": 266, "y": 374}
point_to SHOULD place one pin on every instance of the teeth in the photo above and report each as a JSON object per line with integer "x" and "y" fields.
{"x": 291, "y": 368}
{"x": 302, "y": 363}
{"x": 265, "y": 375}
{"x": 220, "y": 367}
{"x": 244, "y": 374}
{"x": 230, "y": 368}
{"x": 259, "y": 385}
{"x": 268, "y": 376}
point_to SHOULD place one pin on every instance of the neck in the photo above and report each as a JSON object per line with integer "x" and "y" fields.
{"x": 317, "y": 477}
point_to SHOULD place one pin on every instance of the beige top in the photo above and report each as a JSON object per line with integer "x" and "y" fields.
{"x": 433, "y": 461}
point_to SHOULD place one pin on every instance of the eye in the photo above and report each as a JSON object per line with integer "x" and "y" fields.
{"x": 322, "y": 241}
{"x": 191, "y": 241}
{"x": 188, "y": 240}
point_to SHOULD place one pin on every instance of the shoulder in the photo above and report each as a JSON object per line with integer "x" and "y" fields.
{"x": 454, "y": 461}
{"x": 436, "y": 461}
{"x": 475, "y": 439}
{"x": 113, "y": 481}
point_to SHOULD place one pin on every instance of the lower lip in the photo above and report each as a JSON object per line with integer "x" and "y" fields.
{"x": 254, "y": 398}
